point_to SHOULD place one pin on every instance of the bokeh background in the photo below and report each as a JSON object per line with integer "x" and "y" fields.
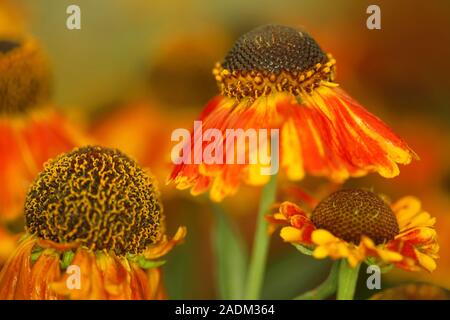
{"x": 140, "y": 68}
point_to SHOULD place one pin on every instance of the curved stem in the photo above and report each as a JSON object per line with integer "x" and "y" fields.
{"x": 348, "y": 277}
{"x": 257, "y": 266}
{"x": 324, "y": 290}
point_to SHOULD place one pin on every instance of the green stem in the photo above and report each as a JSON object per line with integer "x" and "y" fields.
{"x": 324, "y": 290}
{"x": 348, "y": 277}
{"x": 257, "y": 266}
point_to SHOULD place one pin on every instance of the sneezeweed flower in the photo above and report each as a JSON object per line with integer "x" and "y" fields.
{"x": 358, "y": 225}
{"x": 93, "y": 208}
{"x": 413, "y": 291}
{"x": 278, "y": 77}
{"x": 31, "y": 131}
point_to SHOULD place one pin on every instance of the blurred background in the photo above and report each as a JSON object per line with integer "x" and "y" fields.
{"x": 140, "y": 68}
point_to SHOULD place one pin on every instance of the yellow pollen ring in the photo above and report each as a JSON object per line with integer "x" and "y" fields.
{"x": 241, "y": 84}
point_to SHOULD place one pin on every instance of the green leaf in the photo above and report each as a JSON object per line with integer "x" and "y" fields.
{"x": 36, "y": 253}
{"x": 148, "y": 264}
{"x": 303, "y": 249}
{"x": 67, "y": 259}
{"x": 230, "y": 257}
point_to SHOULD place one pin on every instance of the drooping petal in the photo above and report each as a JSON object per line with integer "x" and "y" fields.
{"x": 360, "y": 142}
{"x": 87, "y": 274}
{"x": 15, "y": 274}
{"x": 410, "y": 214}
{"x": 44, "y": 271}
{"x": 165, "y": 245}
{"x": 322, "y": 133}
{"x": 8, "y": 242}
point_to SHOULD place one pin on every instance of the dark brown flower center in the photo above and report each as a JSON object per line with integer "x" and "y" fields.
{"x": 6, "y": 46}
{"x": 350, "y": 214}
{"x": 272, "y": 49}
{"x": 273, "y": 58}
{"x": 97, "y": 197}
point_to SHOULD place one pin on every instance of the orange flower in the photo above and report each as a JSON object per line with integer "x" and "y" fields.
{"x": 95, "y": 230}
{"x": 276, "y": 77}
{"x": 31, "y": 131}
{"x": 437, "y": 202}
{"x": 357, "y": 225}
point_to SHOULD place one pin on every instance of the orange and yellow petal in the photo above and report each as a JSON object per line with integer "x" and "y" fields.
{"x": 327, "y": 245}
{"x": 165, "y": 245}
{"x": 90, "y": 279}
{"x": 299, "y": 227}
{"x": 147, "y": 284}
{"x": 385, "y": 255}
{"x": 345, "y": 139}
{"x": 101, "y": 275}
{"x": 417, "y": 240}
{"x": 26, "y": 143}
{"x": 418, "y": 247}
{"x": 323, "y": 133}
{"x": 409, "y": 214}
{"x": 8, "y": 242}
{"x": 22, "y": 280}
{"x": 106, "y": 276}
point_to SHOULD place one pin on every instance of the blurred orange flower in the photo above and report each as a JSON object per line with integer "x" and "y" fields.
{"x": 31, "y": 131}
{"x": 278, "y": 77}
{"x": 356, "y": 224}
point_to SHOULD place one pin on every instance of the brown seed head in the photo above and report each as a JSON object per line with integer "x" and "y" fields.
{"x": 349, "y": 214}
{"x": 97, "y": 197}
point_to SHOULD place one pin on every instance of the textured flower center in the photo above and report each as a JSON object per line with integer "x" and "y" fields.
{"x": 97, "y": 197}
{"x": 6, "y": 46}
{"x": 273, "y": 58}
{"x": 349, "y": 214}
{"x": 24, "y": 76}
